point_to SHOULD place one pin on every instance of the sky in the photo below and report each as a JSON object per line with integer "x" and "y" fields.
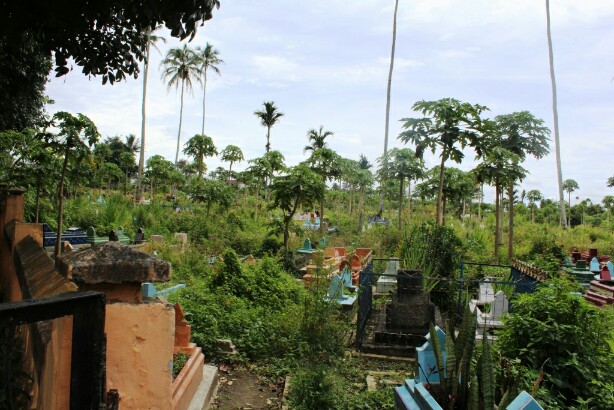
{"x": 325, "y": 62}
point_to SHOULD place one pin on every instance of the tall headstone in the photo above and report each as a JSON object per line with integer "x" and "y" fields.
{"x": 594, "y": 266}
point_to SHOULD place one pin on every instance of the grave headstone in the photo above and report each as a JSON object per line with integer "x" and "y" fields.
{"x": 610, "y": 266}
{"x": 182, "y": 237}
{"x": 157, "y": 238}
{"x": 487, "y": 293}
{"x": 576, "y": 256}
{"x": 605, "y": 273}
{"x": 335, "y": 289}
{"x": 427, "y": 363}
{"x": 346, "y": 278}
{"x": 139, "y": 237}
{"x": 500, "y": 306}
{"x": 113, "y": 236}
{"x": 594, "y": 266}
{"x": 581, "y": 264}
{"x": 306, "y": 248}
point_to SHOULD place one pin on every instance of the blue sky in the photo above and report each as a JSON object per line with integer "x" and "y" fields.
{"x": 325, "y": 62}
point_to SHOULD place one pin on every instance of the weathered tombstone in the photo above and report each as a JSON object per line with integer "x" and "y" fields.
{"x": 592, "y": 253}
{"x": 487, "y": 293}
{"x": 113, "y": 236}
{"x": 139, "y": 237}
{"x": 605, "y": 273}
{"x": 499, "y": 307}
{"x": 576, "y": 256}
{"x": 581, "y": 264}
{"x": 157, "y": 238}
{"x": 346, "y": 277}
{"x": 594, "y": 266}
{"x": 182, "y": 237}
{"x": 568, "y": 263}
{"x": 335, "y": 289}
{"x": 610, "y": 266}
{"x": 387, "y": 283}
{"x": 322, "y": 243}
{"x": 306, "y": 248}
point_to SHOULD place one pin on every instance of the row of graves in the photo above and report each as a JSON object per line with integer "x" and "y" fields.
{"x": 76, "y": 237}
{"x": 595, "y": 272}
{"x": 338, "y": 267}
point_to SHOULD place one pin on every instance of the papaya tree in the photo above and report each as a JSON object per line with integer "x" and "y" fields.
{"x": 75, "y": 137}
{"x": 499, "y": 168}
{"x": 522, "y": 134}
{"x": 402, "y": 164}
{"x": 301, "y": 185}
{"x": 449, "y": 125}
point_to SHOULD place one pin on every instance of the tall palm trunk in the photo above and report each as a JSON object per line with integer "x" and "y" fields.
{"x": 58, "y": 242}
{"x": 497, "y": 222}
{"x": 257, "y": 199}
{"x": 268, "y": 139}
{"x": 555, "y": 113}
{"x": 408, "y": 199}
{"x": 361, "y": 206}
{"x": 400, "y": 199}
{"x": 180, "y": 119}
{"x": 388, "y": 91}
{"x": 139, "y": 189}
{"x": 440, "y": 189}
{"x": 38, "y": 191}
{"x": 204, "y": 95}
{"x": 569, "y": 204}
{"x": 510, "y": 233}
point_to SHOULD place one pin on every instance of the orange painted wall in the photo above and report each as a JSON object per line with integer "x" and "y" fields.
{"x": 140, "y": 339}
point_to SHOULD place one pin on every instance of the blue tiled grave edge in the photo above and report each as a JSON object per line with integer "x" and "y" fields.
{"x": 414, "y": 394}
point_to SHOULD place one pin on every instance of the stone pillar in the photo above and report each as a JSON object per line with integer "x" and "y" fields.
{"x": 11, "y": 208}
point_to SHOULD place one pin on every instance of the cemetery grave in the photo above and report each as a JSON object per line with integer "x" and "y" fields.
{"x": 74, "y": 235}
{"x": 399, "y": 324}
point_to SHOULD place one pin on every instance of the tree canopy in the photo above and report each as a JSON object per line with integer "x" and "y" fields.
{"x": 105, "y": 38}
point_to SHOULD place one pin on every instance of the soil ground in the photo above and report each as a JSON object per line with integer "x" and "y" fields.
{"x": 240, "y": 388}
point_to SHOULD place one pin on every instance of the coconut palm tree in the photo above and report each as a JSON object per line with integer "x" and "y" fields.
{"x": 152, "y": 39}
{"x": 388, "y": 90}
{"x": 569, "y": 186}
{"x": 199, "y": 147}
{"x": 534, "y": 196}
{"x": 269, "y": 117}
{"x": 180, "y": 66}
{"x": 209, "y": 59}
{"x": 555, "y": 113}
{"x": 317, "y": 139}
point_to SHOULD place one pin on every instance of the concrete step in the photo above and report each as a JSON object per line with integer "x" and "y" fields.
{"x": 206, "y": 390}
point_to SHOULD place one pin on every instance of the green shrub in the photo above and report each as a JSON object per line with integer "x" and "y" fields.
{"x": 314, "y": 388}
{"x": 560, "y": 331}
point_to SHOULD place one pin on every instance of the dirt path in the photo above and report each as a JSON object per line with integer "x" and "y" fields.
{"x": 242, "y": 389}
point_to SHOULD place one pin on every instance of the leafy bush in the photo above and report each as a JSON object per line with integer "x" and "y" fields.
{"x": 435, "y": 250}
{"x": 314, "y": 388}
{"x": 557, "y": 330}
